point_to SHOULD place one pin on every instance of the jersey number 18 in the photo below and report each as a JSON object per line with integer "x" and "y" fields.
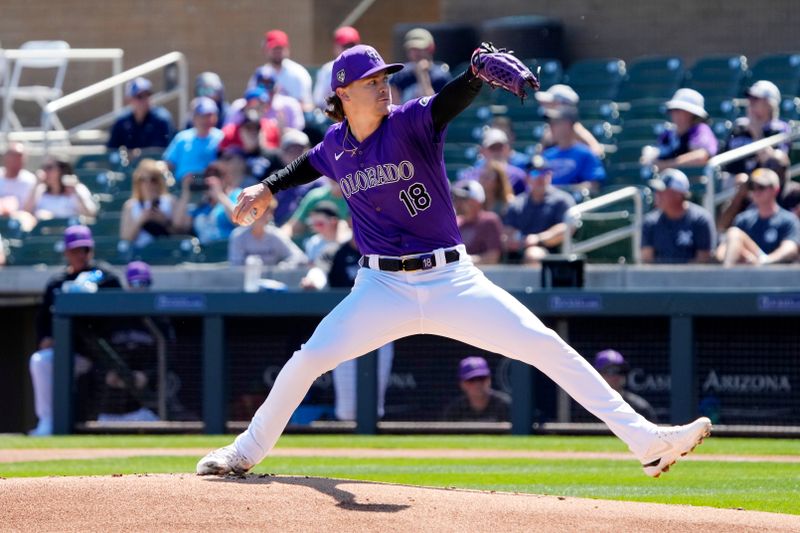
{"x": 415, "y": 198}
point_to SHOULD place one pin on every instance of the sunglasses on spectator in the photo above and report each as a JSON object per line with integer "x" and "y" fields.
{"x": 756, "y": 187}
{"x": 151, "y": 179}
{"x": 141, "y": 96}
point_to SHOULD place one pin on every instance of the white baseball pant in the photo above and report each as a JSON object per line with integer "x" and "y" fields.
{"x": 453, "y": 300}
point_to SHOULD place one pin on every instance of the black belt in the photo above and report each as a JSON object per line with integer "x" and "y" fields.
{"x": 420, "y": 262}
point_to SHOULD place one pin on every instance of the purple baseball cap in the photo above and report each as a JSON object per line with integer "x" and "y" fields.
{"x": 473, "y": 367}
{"x": 357, "y": 63}
{"x": 138, "y": 274}
{"x": 607, "y": 358}
{"x": 78, "y": 236}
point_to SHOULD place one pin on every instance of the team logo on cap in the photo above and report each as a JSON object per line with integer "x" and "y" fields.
{"x": 373, "y": 54}
{"x": 340, "y": 76}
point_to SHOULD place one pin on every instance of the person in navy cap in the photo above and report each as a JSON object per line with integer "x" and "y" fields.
{"x": 141, "y": 125}
{"x": 614, "y": 369}
{"x": 479, "y": 403}
{"x": 80, "y": 275}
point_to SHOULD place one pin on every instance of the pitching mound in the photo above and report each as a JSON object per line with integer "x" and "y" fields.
{"x": 278, "y": 503}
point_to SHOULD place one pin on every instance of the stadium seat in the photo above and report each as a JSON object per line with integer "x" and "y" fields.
{"x": 781, "y": 69}
{"x": 37, "y": 250}
{"x": 527, "y": 132}
{"x": 551, "y": 71}
{"x": 10, "y": 228}
{"x": 53, "y": 226}
{"x": 455, "y": 170}
{"x": 463, "y": 130}
{"x": 107, "y": 223}
{"x": 596, "y": 79}
{"x": 645, "y": 130}
{"x": 97, "y": 180}
{"x": 648, "y": 108}
{"x": 790, "y": 108}
{"x": 651, "y": 77}
{"x": 605, "y": 110}
{"x": 111, "y": 249}
{"x": 631, "y": 173}
{"x": 461, "y": 153}
{"x": 717, "y": 76}
{"x": 212, "y": 252}
{"x": 170, "y": 250}
{"x": 94, "y": 161}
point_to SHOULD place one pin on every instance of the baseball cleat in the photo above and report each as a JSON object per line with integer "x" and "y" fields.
{"x": 225, "y": 460}
{"x": 673, "y": 443}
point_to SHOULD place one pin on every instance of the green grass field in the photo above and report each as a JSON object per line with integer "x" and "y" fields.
{"x": 762, "y": 486}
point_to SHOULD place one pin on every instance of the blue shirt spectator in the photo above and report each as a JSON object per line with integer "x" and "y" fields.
{"x": 141, "y": 126}
{"x": 769, "y": 232}
{"x": 573, "y": 165}
{"x": 421, "y": 76}
{"x": 192, "y": 150}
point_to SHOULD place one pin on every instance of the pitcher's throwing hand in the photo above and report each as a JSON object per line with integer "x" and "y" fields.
{"x": 251, "y": 203}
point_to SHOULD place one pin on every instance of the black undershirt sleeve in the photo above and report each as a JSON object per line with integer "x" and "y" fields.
{"x": 298, "y": 172}
{"x": 454, "y": 98}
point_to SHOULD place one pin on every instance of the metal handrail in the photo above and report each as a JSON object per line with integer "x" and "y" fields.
{"x": 117, "y": 81}
{"x": 574, "y": 214}
{"x": 714, "y": 166}
{"x": 79, "y": 54}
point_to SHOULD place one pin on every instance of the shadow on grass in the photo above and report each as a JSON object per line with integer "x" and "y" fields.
{"x": 329, "y": 487}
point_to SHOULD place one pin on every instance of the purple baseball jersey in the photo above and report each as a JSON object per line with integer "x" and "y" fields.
{"x": 394, "y": 182}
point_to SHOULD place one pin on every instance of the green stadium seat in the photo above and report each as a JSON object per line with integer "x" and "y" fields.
{"x": 37, "y": 250}
{"x": 110, "y": 249}
{"x": 212, "y": 252}
{"x": 717, "y": 76}
{"x": 170, "y": 250}
{"x": 790, "y": 108}
{"x": 626, "y": 152}
{"x": 613, "y": 253}
{"x": 646, "y": 108}
{"x": 107, "y": 224}
{"x": 596, "y": 79}
{"x": 651, "y": 77}
{"x": 551, "y": 72}
{"x": 461, "y": 153}
{"x": 781, "y": 69}
{"x": 10, "y": 228}
{"x": 645, "y": 130}
{"x": 465, "y": 131}
{"x": 527, "y": 132}
{"x": 632, "y": 173}
{"x": 606, "y": 110}
{"x": 454, "y": 170}
{"x": 53, "y": 227}
{"x": 94, "y": 162}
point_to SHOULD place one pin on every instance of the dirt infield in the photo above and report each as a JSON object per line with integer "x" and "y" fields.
{"x": 278, "y": 503}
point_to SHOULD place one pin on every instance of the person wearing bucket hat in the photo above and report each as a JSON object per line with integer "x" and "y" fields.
{"x": 141, "y": 125}
{"x": 421, "y": 75}
{"x": 678, "y": 231}
{"x": 688, "y": 141}
{"x": 291, "y": 78}
{"x": 80, "y": 275}
{"x": 764, "y": 234}
{"x": 762, "y": 120}
{"x": 415, "y": 275}
{"x": 479, "y": 402}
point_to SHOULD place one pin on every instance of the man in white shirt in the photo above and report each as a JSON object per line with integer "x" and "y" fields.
{"x": 343, "y": 38}
{"x": 292, "y": 78}
{"x": 15, "y": 181}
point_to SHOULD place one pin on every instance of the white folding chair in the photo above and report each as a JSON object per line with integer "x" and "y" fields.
{"x": 40, "y": 94}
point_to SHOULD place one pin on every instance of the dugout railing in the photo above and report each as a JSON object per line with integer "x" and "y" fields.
{"x": 719, "y": 333}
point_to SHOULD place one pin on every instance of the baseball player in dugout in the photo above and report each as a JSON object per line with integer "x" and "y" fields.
{"x": 415, "y": 275}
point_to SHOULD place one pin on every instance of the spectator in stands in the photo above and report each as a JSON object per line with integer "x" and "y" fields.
{"x": 249, "y": 129}
{"x": 481, "y": 230}
{"x": 535, "y": 219}
{"x": 80, "y": 275}
{"x": 296, "y": 227}
{"x": 211, "y": 219}
{"x": 262, "y": 238}
{"x": 148, "y": 213}
{"x": 762, "y": 120}
{"x": 210, "y": 84}
{"x": 293, "y": 144}
{"x": 559, "y": 96}
{"x": 497, "y": 187}
{"x": 571, "y": 161}
{"x": 689, "y": 141}
{"x": 422, "y": 76}
{"x": 284, "y": 110}
{"x": 516, "y": 158}
{"x": 495, "y": 146}
{"x": 343, "y": 38}
{"x": 59, "y": 193}
{"x": 142, "y": 125}
{"x": 678, "y": 231}
{"x": 479, "y": 403}
{"x": 291, "y": 77}
{"x": 614, "y": 369}
{"x": 192, "y": 150}
{"x": 16, "y": 182}
{"x": 788, "y": 197}
{"x": 324, "y": 222}
{"x": 764, "y": 234}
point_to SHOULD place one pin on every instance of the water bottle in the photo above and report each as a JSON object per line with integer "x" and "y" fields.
{"x": 85, "y": 282}
{"x": 252, "y": 272}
